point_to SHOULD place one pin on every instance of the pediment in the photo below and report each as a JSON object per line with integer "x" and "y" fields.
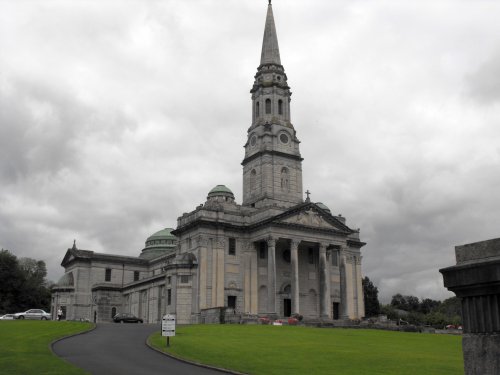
{"x": 310, "y": 216}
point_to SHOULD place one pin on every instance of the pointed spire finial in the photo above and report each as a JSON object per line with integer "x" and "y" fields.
{"x": 74, "y": 245}
{"x": 270, "y": 50}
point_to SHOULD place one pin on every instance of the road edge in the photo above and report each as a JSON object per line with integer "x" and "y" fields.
{"x": 227, "y": 371}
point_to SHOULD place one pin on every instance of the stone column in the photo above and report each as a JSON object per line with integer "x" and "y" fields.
{"x": 343, "y": 284}
{"x": 294, "y": 260}
{"x": 271, "y": 276}
{"x": 476, "y": 280}
{"x": 324, "y": 283}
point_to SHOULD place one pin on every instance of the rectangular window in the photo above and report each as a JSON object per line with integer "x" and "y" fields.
{"x": 136, "y": 275}
{"x": 169, "y": 296}
{"x": 262, "y": 250}
{"x": 107, "y": 276}
{"x": 231, "y": 302}
{"x": 232, "y": 246}
{"x": 184, "y": 279}
{"x": 335, "y": 258}
{"x": 311, "y": 255}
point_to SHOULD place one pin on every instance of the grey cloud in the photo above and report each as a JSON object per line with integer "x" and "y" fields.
{"x": 484, "y": 84}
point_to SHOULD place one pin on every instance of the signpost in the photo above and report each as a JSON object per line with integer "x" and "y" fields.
{"x": 168, "y": 327}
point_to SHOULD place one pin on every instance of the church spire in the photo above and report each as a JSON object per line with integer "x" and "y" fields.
{"x": 270, "y": 50}
{"x": 272, "y": 167}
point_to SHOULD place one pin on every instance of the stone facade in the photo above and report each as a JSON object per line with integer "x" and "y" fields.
{"x": 274, "y": 255}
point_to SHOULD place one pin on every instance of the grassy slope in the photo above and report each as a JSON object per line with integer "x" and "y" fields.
{"x": 25, "y": 347}
{"x": 300, "y": 350}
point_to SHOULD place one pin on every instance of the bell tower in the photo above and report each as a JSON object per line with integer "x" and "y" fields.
{"x": 272, "y": 168}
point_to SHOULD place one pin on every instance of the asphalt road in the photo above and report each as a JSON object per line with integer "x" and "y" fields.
{"x": 121, "y": 349}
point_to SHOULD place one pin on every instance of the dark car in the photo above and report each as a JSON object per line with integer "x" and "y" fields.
{"x": 126, "y": 318}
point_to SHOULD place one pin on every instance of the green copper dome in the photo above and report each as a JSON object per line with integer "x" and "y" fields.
{"x": 323, "y": 207}
{"x": 164, "y": 234}
{"x": 159, "y": 243}
{"x": 220, "y": 189}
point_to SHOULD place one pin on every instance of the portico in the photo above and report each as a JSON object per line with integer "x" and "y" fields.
{"x": 303, "y": 275}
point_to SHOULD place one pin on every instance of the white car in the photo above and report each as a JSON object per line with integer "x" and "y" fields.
{"x": 8, "y": 317}
{"x": 33, "y": 314}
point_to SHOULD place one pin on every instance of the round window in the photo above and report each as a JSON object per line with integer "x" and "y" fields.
{"x": 284, "y": 138}
{"x": 253, "y": 141}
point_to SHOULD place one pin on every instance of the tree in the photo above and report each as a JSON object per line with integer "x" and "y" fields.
{"x": 451, "y": 306}
{"x": 370, "y": 291}
{"x": 23, "y": 284}
{"x": 428, "y": 305}
{"x": 398, "y": 301}
{"x": 11, "y": 280}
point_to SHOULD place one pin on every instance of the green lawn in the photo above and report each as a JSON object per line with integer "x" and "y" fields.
{"x": 261, "y": 349}
{"x": 25, "y": 347}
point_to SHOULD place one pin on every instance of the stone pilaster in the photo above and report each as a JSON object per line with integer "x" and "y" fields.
{"x": 294, "y": 260}
{"x": 250, "y": 279}
{"x": 324, "y": 283}
{"x": 271, "y": 275}
{"x": 220, "y": 247}
{"x": 203, "y": 271}
{"x": 476, "y": 280}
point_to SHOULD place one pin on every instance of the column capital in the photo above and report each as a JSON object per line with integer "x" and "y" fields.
{"x": 295, "y": 242}
{"x": 202, "y": 240}
{"x": 220, "y": 242}
{"x": 248, "y": 246}
{"x": 271, "y": 241}
{"x": 322, "y": 247}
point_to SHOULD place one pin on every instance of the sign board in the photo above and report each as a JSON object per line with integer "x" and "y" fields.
{"x": 168, "y": 325}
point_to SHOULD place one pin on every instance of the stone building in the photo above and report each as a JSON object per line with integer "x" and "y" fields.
{"x": 275, "y": 254}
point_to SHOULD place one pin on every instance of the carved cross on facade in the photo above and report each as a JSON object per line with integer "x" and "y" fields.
{"x": 308, "y": 193}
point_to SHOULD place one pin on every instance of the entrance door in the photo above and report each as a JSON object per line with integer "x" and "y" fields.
{"x": 336, "y": 314}
{"x": 287, "y": 307}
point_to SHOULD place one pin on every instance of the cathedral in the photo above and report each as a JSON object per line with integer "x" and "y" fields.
{"x": 276, "y": 254}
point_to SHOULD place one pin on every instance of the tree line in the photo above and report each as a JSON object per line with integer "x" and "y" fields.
{"x": 411, "y": 309}
{"x": 23, "y": 284}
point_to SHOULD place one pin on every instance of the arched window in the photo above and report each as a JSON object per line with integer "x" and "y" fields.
{"x": 280, "y": 107}
{"x": 285, "y": 186}
{"x": 113, "y": 312}
{"x": 268, "y": 106}
{"x": 257, "y": 109}
{"x": 253, "y": 178}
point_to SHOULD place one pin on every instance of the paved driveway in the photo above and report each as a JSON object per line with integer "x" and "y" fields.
{"x": 121, "y": 349}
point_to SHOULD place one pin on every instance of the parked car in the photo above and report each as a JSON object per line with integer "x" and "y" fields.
{"x": 126, "y": 318}
{"x": 33, "y": 314}
{"x": 7, "y": 317}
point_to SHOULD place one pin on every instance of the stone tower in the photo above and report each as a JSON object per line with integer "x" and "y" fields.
{"x": 272, "y": 168}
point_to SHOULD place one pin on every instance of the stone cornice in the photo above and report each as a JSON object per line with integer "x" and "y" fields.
{"x": 146, "y": 280}
{"x": 355, "y": 243}
{"x": 271, "y": 152}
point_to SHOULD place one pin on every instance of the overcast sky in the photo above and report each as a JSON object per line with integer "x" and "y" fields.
{"x": 118, "y": 116}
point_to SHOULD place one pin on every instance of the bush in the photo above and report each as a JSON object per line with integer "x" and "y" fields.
{"x": 297, "y": 316}
{"x": 264, "y": 320}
